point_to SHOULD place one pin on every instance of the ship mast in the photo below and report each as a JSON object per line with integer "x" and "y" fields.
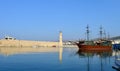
{"x": 104, "y": 34}
{"x": 108, "y": 36}
{"x": 101, "y": 32}
{"x": 87, "y": 32}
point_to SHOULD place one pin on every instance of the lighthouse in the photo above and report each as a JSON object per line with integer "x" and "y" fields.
{"x": 60, "y": 40}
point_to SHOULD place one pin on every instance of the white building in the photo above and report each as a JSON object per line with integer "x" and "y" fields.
{"x": 117, "y": 41}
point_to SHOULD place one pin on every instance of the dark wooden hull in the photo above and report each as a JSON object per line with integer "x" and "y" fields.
{"x": 94, "y": 47}
{"x": 104, "y": 52}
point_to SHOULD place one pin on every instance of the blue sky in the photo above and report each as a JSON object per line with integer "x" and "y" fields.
{"x": 43, "y": 19}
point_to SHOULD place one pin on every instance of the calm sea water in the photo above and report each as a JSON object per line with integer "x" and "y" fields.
{"x": 69, "y": 59}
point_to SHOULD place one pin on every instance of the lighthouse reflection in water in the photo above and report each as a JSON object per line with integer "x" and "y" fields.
{"x": 55, "y": 59}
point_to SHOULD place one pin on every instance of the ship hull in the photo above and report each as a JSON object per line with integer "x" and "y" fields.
{"x": 94, "y": 47}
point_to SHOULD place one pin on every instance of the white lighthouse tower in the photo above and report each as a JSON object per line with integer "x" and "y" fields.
{"x": 60, "y": 40}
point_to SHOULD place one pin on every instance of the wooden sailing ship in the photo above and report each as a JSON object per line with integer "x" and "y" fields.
{"x": 97, "y": 45}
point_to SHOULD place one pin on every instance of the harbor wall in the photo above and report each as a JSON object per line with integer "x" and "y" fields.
{"x": 21, "y": 43}
{"x": 12, "y": 42}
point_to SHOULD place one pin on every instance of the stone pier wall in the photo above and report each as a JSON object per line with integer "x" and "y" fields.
{"x": 23, "y": 43}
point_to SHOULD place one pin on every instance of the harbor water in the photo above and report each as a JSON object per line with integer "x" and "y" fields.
{"x": 65, "y": 59}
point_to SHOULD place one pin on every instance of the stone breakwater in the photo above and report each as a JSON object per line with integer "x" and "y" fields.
{"x": 26, "y": 43}
{"x": 12, "y": 42}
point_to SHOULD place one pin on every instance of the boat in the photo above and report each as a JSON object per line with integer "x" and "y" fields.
{"x": 101, "y": 44}
{"x": 91, "y": 45}
{"x": 116, "y": 46}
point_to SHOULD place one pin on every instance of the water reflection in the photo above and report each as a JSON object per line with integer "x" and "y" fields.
{"x": 6, "y": 51}
{"x": 116, "y": 65}
{"x": 90, "y": 55}
{"x": 20, "y": 50}
{"x": 60, "y": 54}
{"x": 54, "y": 59}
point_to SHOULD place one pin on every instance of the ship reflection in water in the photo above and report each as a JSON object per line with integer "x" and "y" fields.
{"x": 104, "y": 56}
{"x": 54, "y": 59}
{"x": 91, "y": 53}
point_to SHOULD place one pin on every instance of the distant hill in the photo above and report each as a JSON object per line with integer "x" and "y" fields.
{"x": 114, "y": 38}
